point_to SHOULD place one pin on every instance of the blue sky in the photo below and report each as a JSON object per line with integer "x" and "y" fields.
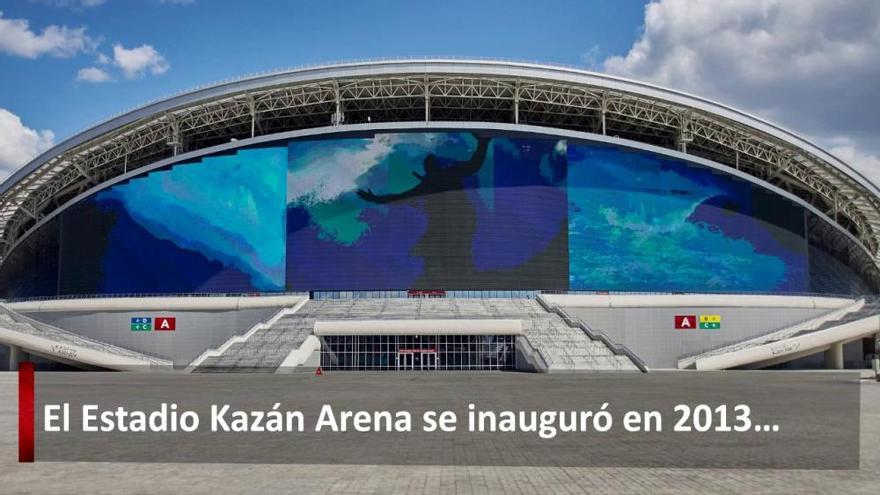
{"x": 210, "y": 40}
{"x": 811, "y": 65}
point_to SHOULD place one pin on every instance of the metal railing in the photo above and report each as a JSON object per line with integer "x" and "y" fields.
{"x": 534, "y": 351}
{"x": 448, "y": 294}
{"x": 617, "y": 349}
{"x": 739, "y": 342}
{"x": 152, "y": 294}
{"x": 596, "y": 292}
{"x": 49, "y": 330}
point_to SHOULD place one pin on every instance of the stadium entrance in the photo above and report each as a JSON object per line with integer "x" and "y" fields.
{"x": 418, "y": 352}
{"x": 417, "y": 359}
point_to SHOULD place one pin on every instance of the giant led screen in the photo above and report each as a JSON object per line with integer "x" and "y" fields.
{"x": 427, "y": 211}
{"x": 640, "y": 221}
{"x": 459, "y": 210}
{"x": 216, "y": 225}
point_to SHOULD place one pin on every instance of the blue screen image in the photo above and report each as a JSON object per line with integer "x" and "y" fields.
{"x": 215, "y": 225}
{"x": 426, "y": 210}
{"x": 450, "y": 210}
{"x": 642, "y": 222}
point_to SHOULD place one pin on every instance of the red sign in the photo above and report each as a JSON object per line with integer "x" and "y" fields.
{"x": 166, "y": 323}
{"x": 426, "y": 293}
{"x": 685, "y": 322}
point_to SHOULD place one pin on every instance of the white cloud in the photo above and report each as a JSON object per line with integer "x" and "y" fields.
{"x": 811, "y": 65}
{"x": 16, "y": 38}
{"x": 591, "y": 58}
{"x": 132, "y": 62}
{"x": 73, "y": 4}
{"x": 135, "y": 62}
{"x": 846, "y": 149}
{"x": 93, "y": 75}
{"x": 18, "y": 143}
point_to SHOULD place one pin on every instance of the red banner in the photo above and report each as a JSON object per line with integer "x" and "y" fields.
{"x": 26, "y": 412}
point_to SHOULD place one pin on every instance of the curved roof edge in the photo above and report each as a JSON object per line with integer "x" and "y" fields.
{"x": 440, "y": 65}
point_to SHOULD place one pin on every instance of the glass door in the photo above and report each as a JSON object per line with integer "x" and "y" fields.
{"x": 428, "y": 361}
{"x": 405, "y": 361}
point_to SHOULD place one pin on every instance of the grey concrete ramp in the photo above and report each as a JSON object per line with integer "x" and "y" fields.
{"x": 828, "y": 336}
{"x": 21, "y": 332}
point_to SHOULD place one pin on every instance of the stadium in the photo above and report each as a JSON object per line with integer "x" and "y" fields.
{"x": 429, "y": 215}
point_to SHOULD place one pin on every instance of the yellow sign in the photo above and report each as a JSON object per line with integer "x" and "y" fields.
{"x": 710, "y": 322}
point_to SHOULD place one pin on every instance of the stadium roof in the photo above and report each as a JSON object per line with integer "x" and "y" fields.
{"x": 436, "y": 91}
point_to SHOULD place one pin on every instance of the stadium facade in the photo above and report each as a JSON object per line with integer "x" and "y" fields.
{"x": 464, "y": 179}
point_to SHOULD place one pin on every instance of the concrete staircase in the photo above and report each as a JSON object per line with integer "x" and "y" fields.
{"x": 263, "y": 349}
{"x": 582, "y": 348}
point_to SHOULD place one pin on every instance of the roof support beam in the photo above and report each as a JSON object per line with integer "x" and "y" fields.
{"x": 547, "y": 100}
{"x": 82, "y": 170}
{"x": 27, "y": 211}
{"x": 782, "y": 164}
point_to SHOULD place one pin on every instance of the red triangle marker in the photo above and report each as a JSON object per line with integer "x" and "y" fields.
{"x": 318, "y": 371}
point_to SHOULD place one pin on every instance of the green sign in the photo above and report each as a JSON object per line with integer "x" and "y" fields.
{"x": 141, "y": 324}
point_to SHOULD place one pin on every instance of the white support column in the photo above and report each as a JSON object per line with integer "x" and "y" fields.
{"x": 427, "y": 92}
{"x": 834, "y": 357}
{"x": 685, "y": 134}
{"x": 875, "y": 363}
{"x": 252, "y": 108}
{"x": 516, "y": 104}
{"x": 127, "y": 152}
{"x": 14, "y": 358}
{"x": 604, "y": 110}
{"x": 174, "y": 138}
{"x": 338, "y": 116}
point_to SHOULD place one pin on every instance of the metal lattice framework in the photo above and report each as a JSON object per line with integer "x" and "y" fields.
{"x": 437, "y": 91}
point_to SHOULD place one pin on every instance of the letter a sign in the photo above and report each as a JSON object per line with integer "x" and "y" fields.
{"x": 166, "y": 323}
{"x": 685, "y": 322}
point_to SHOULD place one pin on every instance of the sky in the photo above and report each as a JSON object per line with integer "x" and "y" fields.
{"x": 812, "y": 66}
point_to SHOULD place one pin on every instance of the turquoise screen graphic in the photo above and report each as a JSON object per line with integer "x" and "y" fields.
{"x": 216, "y": 225}
{"x": 427, "y": 211}
{"x": 642, "y": 222}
